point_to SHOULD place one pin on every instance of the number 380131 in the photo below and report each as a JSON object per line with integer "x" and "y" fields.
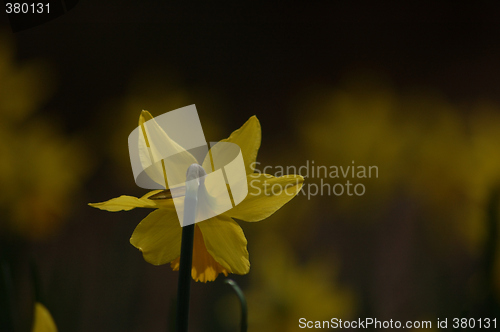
{"x": 27, "y": 8}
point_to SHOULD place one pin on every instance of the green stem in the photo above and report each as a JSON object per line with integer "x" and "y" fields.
{"x": 184, "y": 284}
{"x": 190, "y": 204}
{"x": 243, "y": 302}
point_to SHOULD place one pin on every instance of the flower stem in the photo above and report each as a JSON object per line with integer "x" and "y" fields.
{"x": 190, "y": 204}
{"x": 243, "y": 302}
{"x": 184, "y": 284}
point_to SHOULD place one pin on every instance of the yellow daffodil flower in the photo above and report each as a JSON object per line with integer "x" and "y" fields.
{"x": 219, "y": 243}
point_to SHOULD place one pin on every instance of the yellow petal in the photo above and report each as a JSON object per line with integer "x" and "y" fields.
{"x": 205, "y": 268}
{"x": 158, "y": 236}
{"x": 126, "y": 203}
{"x": 143, "y": 118}
{"x": 266, "y": 194}
{"x": 226, "y": 243}
{"x": 161, "y": 156}
{"x": 151, "y": 193}
{"x": 248, "y": 138}
{"x": 43, "y": 321}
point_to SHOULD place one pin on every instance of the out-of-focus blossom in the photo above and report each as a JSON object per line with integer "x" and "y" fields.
{"x": 285, "y": 290}
{"x": 43, "y": 321}
{"x": 352, "y": 126}
{"x": 438, "y": 159}
{"x": 423, "y": 147}
{"x": 24, "y": 87}
{"x": 40, "y": 167}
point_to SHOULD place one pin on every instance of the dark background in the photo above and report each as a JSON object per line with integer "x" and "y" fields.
{"x": 394, "y": 253}
{"x": 259, "y": 55}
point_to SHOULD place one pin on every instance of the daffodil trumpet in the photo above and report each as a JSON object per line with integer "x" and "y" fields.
{"x": 194, "y": 179}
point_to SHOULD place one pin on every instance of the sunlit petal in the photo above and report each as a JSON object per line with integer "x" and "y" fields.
{"x": 126, "y": 203}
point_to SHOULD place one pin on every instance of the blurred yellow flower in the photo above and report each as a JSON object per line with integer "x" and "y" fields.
{"x": 41, "y": 168}
{"x": 43, "y": 321}
{"x": 283, "y": 290}
{"x": 427, "y": 149}
{"x": 219, "y": 243}
{"x": 23, "y": 87}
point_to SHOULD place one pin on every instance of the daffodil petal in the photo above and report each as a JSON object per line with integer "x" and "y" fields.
{"x": 248, "y": 138}
{"x": 151, "y": 193}
{"x": 226, "y": 243}
{"x": 266, "y": 195}
{"x": 126, "y": 203}
{"x": 160, "y": 155}
{"x": 43, "y": 321}
{"x": 158, "y": 237}
{"x": 123, "y": 203}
